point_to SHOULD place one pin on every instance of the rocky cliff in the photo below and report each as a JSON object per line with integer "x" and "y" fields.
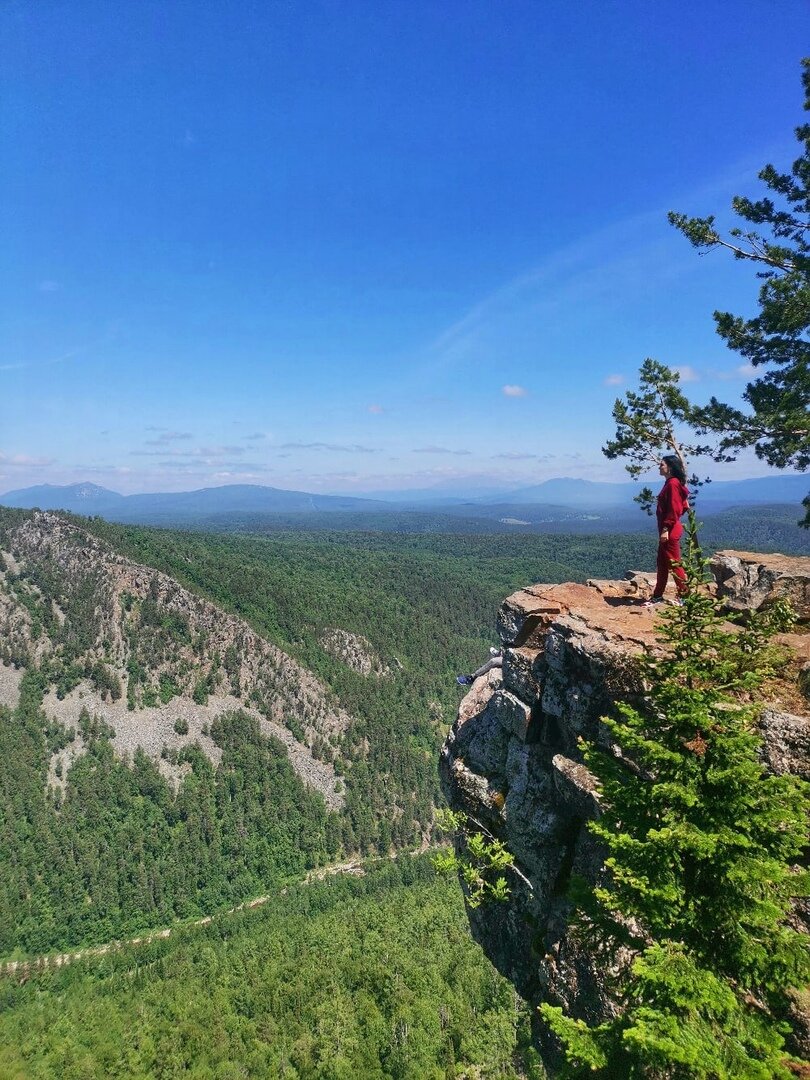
{"x": 152, "y": 660}
{"x": 511, "y": 761}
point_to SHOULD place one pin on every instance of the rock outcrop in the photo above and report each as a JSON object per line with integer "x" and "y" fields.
{"x": 512, "y": 761}
{"x": 747, "y": 581}
{"x": 165, "y": 653}
{"x": 355, "y": 651}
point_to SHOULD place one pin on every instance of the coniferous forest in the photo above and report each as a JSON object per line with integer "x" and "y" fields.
{"x": 120, "y": 852}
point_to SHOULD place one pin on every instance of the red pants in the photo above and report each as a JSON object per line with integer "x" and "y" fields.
{"x": 669, "y": 552}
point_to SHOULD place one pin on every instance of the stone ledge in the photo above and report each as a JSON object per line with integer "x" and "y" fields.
{"x": 748, "y": 581}
{"x": 579, "y": 646}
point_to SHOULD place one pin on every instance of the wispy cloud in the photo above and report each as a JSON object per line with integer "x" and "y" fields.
{"x": 511, "y": 390}
{"x": 24, "y": 461}
{"x": 687, "y": 373}
{"x": 742, "y": 371}
{"x": 49, "y": 286}
{"x": 613, "y": 380}
{"x": 24, "y": 364}
{"x": 344, "y": 448}
{"x": 169, "y": 437}
{"x": 257, "y": 436}
{"x": 205, "y": 452}
{"x": 376, "y": 409}
{"x": 516, "y": 455}
{"x": 248, "y": 472}
{"x": 213, "y": 462}
{"x": 633, "y": 250}
{"x": 117, "y": 470}
{"x": 439, "y": 450}
{"x": 569, "y": 275}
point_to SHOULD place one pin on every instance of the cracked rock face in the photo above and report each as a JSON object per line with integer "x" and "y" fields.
{"x": 512, "y": 762}
{"x": 747, "y": 581}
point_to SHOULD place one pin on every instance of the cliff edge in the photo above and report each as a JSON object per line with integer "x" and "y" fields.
{"x": 512, "y": 763}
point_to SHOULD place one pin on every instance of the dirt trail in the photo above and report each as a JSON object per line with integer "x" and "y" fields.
{"x": 56, "y": 960}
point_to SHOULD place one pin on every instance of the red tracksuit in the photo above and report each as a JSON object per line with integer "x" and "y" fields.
{"x": 672, "y": 502}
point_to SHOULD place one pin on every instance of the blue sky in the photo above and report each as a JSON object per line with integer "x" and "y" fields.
{"x": 350, "y": 246}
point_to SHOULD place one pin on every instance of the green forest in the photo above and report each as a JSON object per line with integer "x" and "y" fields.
{"x": 426, "y": 604}
{"x": 120, "y": 851}
{"x": 369, "y": 977}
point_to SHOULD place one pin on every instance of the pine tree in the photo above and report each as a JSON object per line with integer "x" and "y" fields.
{"x": 775, "y": 419}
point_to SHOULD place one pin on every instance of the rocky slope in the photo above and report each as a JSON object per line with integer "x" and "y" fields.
{"x": 355, "y": 651}
{"x": 511, "y": 761}
{"x": 154, "y": 661}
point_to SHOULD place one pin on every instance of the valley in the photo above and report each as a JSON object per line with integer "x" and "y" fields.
{"x": 193, "y": 718}
{"x": 193, "y": 723}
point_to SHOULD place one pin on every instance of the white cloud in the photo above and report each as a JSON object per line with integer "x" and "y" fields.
{"x": 169, "y": 436}
{"x": 341, "y": 448}
{"x": 613, "y": 380}
{"x": 234, "y": 476}
{"x": 515, "y": 455}
{"x": 376, "y": 409}
{"x": 439, "y": 450}
{"x": 22, "y": 461}
{"x": 687, "y": 373}
{"x": 742, "y": 371}
{"x": 511, "y": 390}
{"x": 207, "y": 453}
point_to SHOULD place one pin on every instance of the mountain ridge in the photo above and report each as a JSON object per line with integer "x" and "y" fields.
{"x": 151, "y": 678}
{"x": 567, "y": 493}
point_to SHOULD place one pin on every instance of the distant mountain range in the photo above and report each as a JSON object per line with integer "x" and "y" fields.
{"x": 556, "y": 498}
{"x": 591, "y": 495}
{"x": 87, "y": 499}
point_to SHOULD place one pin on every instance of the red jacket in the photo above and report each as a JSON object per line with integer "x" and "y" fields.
{"x": 672, "y": 503}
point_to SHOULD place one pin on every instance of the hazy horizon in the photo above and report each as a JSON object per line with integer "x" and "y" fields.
{"x": 445, "y": 487}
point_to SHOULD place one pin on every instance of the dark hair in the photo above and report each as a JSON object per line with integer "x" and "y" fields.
{"x": 676, "y": 469}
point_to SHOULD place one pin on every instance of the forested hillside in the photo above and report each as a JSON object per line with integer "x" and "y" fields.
{"x": 375, "y": 977}
{"x": 101, "y": 841}
{"x": 425, "y": 603}
{"x": 122, "y": 852}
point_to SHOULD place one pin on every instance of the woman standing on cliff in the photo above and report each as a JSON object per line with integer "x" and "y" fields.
{"x": 672, "y": 504}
